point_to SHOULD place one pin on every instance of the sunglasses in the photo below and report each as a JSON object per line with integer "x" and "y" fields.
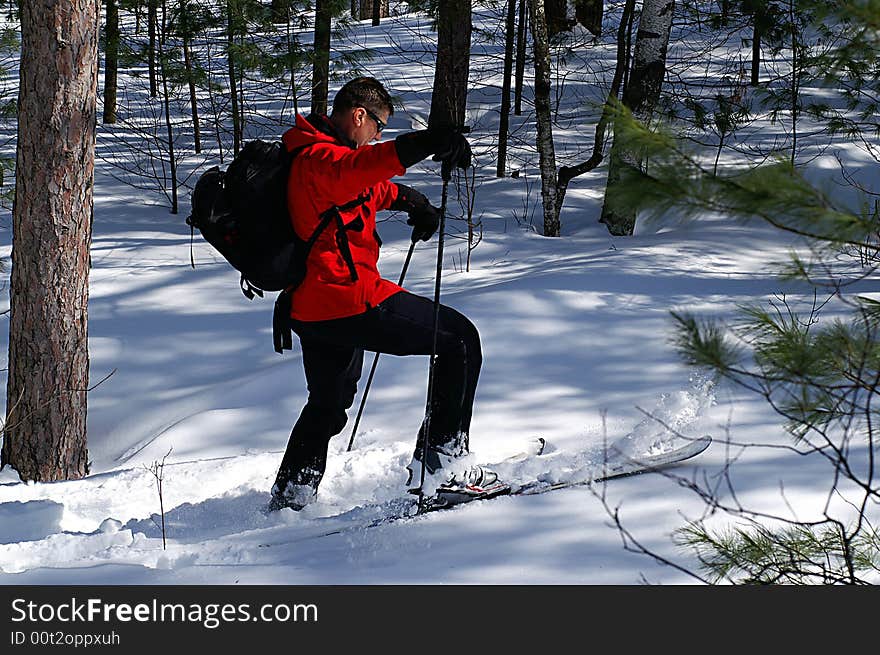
{"x": 379, "y": 123}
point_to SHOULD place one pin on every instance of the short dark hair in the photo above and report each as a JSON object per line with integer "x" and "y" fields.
{"x": 366, "y": 92}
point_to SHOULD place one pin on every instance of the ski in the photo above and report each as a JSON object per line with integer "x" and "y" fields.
{"x": 618, "y": 465}
{"x": 622, "y": 465}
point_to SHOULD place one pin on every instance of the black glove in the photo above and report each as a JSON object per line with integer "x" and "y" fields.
{"x": 447, "y": 144}
{"x": 423, "y": 216}
{"x": 456, "y": 153}
{"x": 424, "y": 222}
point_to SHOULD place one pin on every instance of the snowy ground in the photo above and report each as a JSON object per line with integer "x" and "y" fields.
{"x": 576, "y": 339}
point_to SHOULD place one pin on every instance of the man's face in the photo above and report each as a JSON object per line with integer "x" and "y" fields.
{"x": 367, "y": 125}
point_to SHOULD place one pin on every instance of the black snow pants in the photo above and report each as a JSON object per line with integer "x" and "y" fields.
{"x": 333, "y": 354}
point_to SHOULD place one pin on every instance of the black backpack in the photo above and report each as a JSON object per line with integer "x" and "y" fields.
{"x": 242, "y": 212}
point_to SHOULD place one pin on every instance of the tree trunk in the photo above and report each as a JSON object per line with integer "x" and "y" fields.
{"x": 367, "y": 9}
{"x": 629, "y": 43}
{"x": 111, "y": 60}
{"x": 449, "y": 100}
{"x": 756, "y": 52}
{"x": 233, "y": 85}
{"x": 504, "y": 123}
{"x": 795, "y": 80}
{"x": 152, "y": 21}
{"x": 193, "y": 99}
{"x": 649, "y": 59}
{"x": 568, "y": 173}
{"x": 166, "y": 103}
{"x": 45, "y": 432}
{"x": 380, "y": 11}
{"x": 520, "y": 56}
{"x": 556, "y": 15}
{"x": 589, "y": 14}
{"x": 215, "y": 108}
{"x": 292, "y": 44}
{"x": 640, "y": 96}
{"x": 321, "y": 65}
{"x": 544, "y": 141}
{"x": 278, "y": 10}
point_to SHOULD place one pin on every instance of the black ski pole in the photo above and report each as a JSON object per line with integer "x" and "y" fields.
{"x": 357, "y": 420}
{"x": 447, "y": 173}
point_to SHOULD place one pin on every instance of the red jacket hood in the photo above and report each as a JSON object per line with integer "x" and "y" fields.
{"x": 304, "y": 133}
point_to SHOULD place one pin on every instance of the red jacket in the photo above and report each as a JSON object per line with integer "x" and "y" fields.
{"x": 330, "y": 173}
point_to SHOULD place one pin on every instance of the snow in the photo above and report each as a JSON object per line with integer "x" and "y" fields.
{"x": 575, "y": 333}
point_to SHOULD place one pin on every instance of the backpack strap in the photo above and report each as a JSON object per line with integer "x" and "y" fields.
{"x": 342, "y": 243}
{"x": 248, "y": 289}
{"x": 357, "y": 202}
{"x": 192, "y": 236}
{"x": 342, "y": 231}
{"x": 281, "y": 337}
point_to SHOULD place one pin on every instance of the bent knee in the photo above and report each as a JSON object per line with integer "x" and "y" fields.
{"x": 462, "y": 345}
{"x": 470, "y": 342}
{"x": 326, "y": 418}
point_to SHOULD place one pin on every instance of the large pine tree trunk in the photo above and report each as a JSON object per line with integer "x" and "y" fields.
{"x": 45, "y": 433}
{"x": 640, "y": 96}
{"x": 449, "y": 99}
{"x": 546, "y": 151}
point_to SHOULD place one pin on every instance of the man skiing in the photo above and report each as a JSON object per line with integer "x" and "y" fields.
{"x": 344, "y": 307}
